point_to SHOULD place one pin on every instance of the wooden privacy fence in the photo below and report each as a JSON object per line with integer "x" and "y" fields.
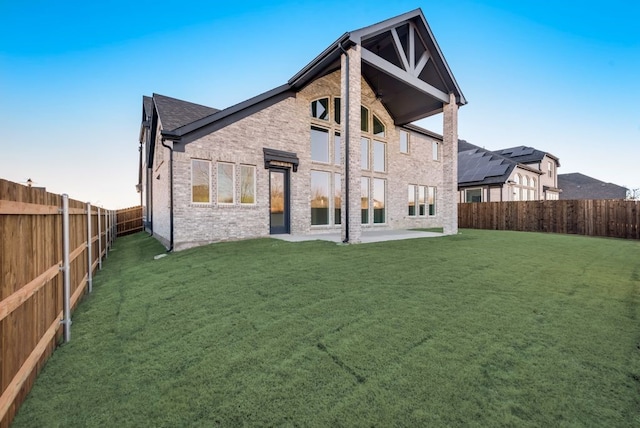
{"x": 50, "y": 246}
{"x": 607, "y": 217}
{"x": 128, "y": 220}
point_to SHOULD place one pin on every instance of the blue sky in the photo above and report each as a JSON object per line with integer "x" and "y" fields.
{"x": 560, "y": 76}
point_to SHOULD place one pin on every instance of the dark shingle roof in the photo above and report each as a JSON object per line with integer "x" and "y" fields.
{"x": 147, "y": 106}
{"x": 480, "y": 166}
{"x": 580, "y": 186}
{"x": 523, "y": 154}
{"x": 174, "y": 113}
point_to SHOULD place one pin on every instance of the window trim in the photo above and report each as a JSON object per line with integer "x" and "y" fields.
{"x": 233, "y": 183}
{"x": 208, "y": 184}
{"x": 327, "y": 182}
{"x": 255, "y": 190}
{"x": 466, "y": 198}
{"x": 328, "y": 151}
{"x": 367, "y": 157}
{"x": 384, "y": 201}
{"x": 384, "y": 156}
{"x": 408, "y": 151}
{"x": 328, "y": 109}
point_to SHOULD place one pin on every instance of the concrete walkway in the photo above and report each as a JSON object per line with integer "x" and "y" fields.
{"x": 366, "y": 237}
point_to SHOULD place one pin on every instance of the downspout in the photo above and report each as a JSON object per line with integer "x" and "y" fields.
{"x": 346, "y": 144}
{"x": 170, "y": 195}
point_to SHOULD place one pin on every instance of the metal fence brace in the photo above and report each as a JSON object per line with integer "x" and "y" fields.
{"x": 89, "y": 248}
{"x": 65, "y": 268}
{"x": 99, "y": 242}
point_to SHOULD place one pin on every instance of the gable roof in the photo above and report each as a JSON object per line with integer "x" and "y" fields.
{"x": 579, "y": 186}
{"x": 401, "y": 61}
{"x": 174, "y": 113}
{"x": 524, "y": 154}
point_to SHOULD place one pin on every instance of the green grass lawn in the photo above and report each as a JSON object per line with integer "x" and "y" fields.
{"x": 486, "y": 328}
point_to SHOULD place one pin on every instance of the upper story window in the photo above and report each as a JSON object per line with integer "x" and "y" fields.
{"x": 379, "y": 156}
{"x": 364, "y": 119}
{"x": 435, "y": 148}
{"x": 404, "y": 142}
{"x": 319, "y": 144}
{"x": 337, "y": 109}
{"x": 337, "y": 149}
{"x": 550, "y": 168}
{"x": 378, "y": 127}
{"x": 320, "y": 109}
{"x": 364, "y": 153}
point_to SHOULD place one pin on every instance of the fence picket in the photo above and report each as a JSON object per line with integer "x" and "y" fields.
{"x": 31, "y": 294}
{"x": 608, "y": 217}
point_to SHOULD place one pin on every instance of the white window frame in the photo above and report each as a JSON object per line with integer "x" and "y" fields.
{"x": 208, "y": 184}
{"x": 327, "y": 152}
{"x": 255, "y": 196}
{"x": 466, "y": 197}
{"x": 383, "y": 145}
{"x": 233, "y": 183}
{"x": 407, "y": 141}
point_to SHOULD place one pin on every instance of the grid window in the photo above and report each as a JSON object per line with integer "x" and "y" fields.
{"x": 411, "y": 195}
{"x": 364, "y": 153}
{"x": 320, "y": 109}
{"x": 364, "y": 199}
{"x": 337, "y": 149}
{"x": 379, "y": 156}
{"x": 379, "y": 200}
{"x": 319, "y": 198}
{"x": 337, "y": 198}
{"x": 378, "y": 127}
{"x": 319, "y": 145}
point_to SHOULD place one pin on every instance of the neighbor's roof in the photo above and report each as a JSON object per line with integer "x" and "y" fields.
{"x": 477, "y": 166}
{"x": 523, "y": 154}
{"x": 579, "y": 186}
{"x": 174, "y": 113}
{"x": 401, "y": 61}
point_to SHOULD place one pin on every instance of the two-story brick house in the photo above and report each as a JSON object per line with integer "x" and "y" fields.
{"x": 333, "y": 149}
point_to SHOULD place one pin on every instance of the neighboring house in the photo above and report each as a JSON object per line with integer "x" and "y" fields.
{"x": 331, "y": 150}
{"x": 516, "y": 174}
{"x": 544, "y": 162}
{"x": 580, "y": 186}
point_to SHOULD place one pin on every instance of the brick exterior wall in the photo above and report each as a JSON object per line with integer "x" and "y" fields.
{"x": 286, "y": 126}
{"x": 160, "y": 193}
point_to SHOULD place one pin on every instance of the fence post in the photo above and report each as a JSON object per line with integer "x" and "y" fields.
{"x": 89, "y": 258}
{"x": 106, "y": 234}
{"x": 99, "y": 242}
{"x": 65, "y": 268}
